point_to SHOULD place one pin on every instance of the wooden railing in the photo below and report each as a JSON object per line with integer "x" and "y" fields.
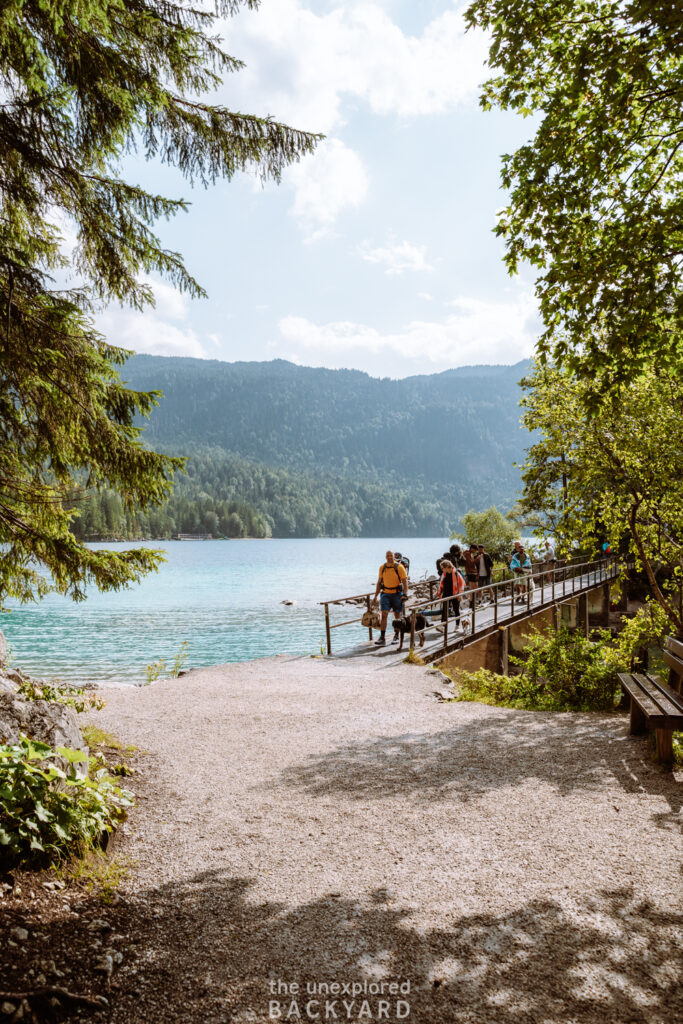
{"x": 511, "y": 598}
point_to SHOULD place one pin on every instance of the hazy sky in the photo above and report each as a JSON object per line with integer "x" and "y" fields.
{"x": 378, "y": 251}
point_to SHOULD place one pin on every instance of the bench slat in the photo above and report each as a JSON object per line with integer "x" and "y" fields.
{"x": 673, "y": 662}
{"x": 659, "y": 692}
{"x": 659, "y": 695}
{"x": 675, "y": 647}
{"x": 676, "y": 699}
{"x": 661, "y": 711}
{"x": 632, "y": 686}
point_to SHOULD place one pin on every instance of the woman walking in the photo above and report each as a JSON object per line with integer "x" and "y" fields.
{"x": 451, "y": 586}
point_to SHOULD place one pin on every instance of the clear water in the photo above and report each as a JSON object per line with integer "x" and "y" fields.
{"x": 223, "y": 597}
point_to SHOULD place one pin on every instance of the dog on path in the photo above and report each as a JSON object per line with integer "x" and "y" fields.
{"x": 402, "y": 626}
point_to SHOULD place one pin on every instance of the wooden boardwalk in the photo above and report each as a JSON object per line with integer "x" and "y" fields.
{"x": 549, "y": 589}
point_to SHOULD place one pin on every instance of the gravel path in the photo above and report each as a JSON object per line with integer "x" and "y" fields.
{"x": 310, "y": 822}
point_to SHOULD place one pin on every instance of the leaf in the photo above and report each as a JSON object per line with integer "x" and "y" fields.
{"x": 71, "y": 755}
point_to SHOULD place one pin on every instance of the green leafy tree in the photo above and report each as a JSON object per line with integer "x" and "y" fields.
{"x": 614, "y": 476}
{"x": 596, "y": 196}
{"x": 81, "y": 85}
{"x": 492, "y": 529}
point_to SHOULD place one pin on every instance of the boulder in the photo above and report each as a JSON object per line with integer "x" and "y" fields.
{"x": 54, "y": 724}
{"x": 7, "y": 685}
{"x": 3, "y": 650}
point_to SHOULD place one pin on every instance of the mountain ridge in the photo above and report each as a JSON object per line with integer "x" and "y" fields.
{"x": 317, "y": 452}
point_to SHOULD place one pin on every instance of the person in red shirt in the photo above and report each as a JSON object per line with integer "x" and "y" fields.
{"x": 451, "y": 586}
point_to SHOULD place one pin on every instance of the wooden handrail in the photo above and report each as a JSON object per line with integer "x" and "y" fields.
{"x": 517, "y": 580}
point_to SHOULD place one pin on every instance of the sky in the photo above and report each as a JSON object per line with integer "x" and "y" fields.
{"x": 378, "y": 251}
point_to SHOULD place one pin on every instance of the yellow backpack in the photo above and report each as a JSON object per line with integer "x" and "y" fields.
{"x": 386, "y": 585}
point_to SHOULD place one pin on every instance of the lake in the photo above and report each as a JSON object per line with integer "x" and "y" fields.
{"x": 223, "y": 597}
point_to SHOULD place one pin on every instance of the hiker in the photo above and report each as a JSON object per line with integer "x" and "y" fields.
{"x": 471, "y": 570}
{"x": 447, "y": 556}
{"x": 456, "y": 556}
{"x": 550, "y": 560}
{"x": 451, "y": 586}
{"x": 403, "y": 559}
{"x": 484, "y": 569}
{"x": 393, "y": 583}
{"x": 520, "y": 563}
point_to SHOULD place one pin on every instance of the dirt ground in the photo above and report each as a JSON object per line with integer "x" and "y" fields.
{"x": 316, "y": 838}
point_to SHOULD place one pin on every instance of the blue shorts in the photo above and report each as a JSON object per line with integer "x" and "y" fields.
{"x": 391, "y": 602}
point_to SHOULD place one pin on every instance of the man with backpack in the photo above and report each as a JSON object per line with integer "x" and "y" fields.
{"x": 393, "y": 583}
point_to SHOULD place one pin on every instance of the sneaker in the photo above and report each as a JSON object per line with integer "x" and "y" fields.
{"x": 381, "y": 642}
{"x": 395, "y": 640}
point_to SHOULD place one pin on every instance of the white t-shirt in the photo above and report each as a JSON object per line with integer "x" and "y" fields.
{"x": 482, "y": 566}
{"x": 550, "y": 554}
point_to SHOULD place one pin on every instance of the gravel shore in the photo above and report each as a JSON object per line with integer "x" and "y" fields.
{"x": 313, "y": 823}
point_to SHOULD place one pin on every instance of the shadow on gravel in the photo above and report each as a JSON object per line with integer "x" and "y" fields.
{"x": 205, "y": 952}
{"x": 569, "y": 752}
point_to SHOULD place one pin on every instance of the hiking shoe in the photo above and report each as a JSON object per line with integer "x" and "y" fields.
{"x": 381, "y": 642}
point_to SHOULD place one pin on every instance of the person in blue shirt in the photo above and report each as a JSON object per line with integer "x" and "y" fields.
{"x": 521, "y": 566}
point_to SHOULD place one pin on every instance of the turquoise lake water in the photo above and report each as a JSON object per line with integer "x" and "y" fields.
{"x": 223, "y": 597}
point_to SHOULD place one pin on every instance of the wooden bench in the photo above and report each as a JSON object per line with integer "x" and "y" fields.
{"x": 673, "y": 656}
{"x": 656, "y": 705}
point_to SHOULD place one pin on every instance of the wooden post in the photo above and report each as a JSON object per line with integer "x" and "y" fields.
{"x": 327, "y": 629}
{"x": 504, "y": 649}
{"x": 495, "y": 605}
{"x": 582, "y": 613}
{"x": 412, "y": 629}
{"x": 431, "y": 590}
{"x": 367, "y": 602}
{"x": 664, "y": 746}
{"x": 638, "y": 722}
{"x": 445, "y": 627}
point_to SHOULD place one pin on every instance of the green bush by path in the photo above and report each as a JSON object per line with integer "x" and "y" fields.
{"x": 563, "y": 671}
{"x": 48, "y": 815}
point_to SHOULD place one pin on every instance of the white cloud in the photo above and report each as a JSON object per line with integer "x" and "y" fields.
{"x": 324, "y": 185}
{"x": 302, "y": 66}
{"x": 397, "y": 257}
{"x": 160, "y": 331}
{"x": 311, "y": 70}
{"x": 477, "y": 332}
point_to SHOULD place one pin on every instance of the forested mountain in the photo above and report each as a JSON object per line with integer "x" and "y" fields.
{"x": 315, "y": 452}
{"x": 442, "y": 428}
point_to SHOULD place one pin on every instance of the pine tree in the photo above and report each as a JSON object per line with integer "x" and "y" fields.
{"x": 83, "y": 83}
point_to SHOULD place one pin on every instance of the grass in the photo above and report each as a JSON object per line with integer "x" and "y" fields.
{"x": 95, "y": 737}
{"x": 412, "y": 658}
{"x": 95, "y": 872}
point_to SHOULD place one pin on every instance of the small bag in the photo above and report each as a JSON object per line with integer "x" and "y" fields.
{"x": 371, "y": 618}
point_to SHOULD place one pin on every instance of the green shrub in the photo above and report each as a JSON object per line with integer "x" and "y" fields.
{"x": 648, "y": 628}
{"x": 567, "y": 672}
{"x": 560, "y": 671}
{"x": 47, "y": 814}
{"x": 159, "y": 668}
{"x": 75, "y": 697}
{"x": 490, "y": 688}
